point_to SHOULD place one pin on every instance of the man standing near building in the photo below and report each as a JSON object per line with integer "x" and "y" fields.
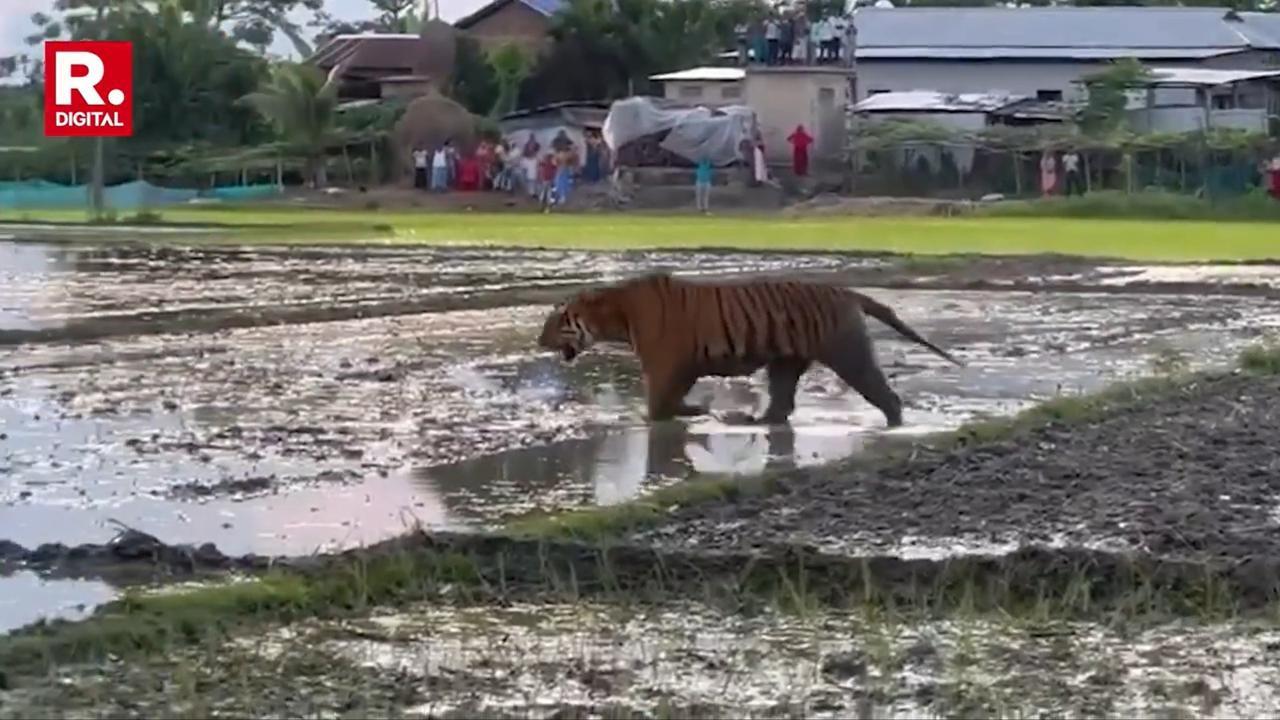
{"x": 702, "y": 184}
{"x": 772, "y": 34}
{"x": 420, "y": 168}
{"x": 821, "y": 38}
{"x": 836, "y": 29}
{"x": 850, "y": 40}
{"x": 786, "y": 38}
{"x": 1071, "y": 168}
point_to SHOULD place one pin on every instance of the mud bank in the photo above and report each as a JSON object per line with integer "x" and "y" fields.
{"x": 1190, "y": 475}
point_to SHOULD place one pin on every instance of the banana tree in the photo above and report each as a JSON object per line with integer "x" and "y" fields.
{"x": 301, "y": 103}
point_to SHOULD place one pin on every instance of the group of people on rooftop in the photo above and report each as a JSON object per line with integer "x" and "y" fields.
{"x": 788, "y": 37}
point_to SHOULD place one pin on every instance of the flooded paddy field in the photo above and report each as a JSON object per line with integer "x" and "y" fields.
{"x": 593, "y": 660}
{"x": 293, "y": 401}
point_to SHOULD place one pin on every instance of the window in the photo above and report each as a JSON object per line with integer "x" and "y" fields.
{"x": 1224, "y": 102}
{"x": 730, "y": 92}
{"x": 690, "y": 91}
{"x": 1049, "y": 95}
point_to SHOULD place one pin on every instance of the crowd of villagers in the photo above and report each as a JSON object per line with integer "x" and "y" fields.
{"x": 512, "y": 165}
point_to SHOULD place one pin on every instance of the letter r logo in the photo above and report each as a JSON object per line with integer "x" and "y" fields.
{"x": 88, "y": 91}
{"x": 65, "y": 80}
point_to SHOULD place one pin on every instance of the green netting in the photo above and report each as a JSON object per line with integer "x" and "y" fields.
{"x": 138, "y": 195}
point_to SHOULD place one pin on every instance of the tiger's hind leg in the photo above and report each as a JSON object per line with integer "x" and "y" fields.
{"x": 784, "y": 375}
{"x": 852, "y": 357}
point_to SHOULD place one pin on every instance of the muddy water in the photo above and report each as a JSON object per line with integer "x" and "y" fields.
{"x": 684, "y": 660}
{"x": 315, "y": 435}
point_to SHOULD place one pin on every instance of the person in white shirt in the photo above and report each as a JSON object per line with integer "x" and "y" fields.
{"x": 420, "y": 168}
{"x": 836, "y": 30}
{"x": 440, "y": 170}
{"x": 850, "y": 40}
{"x": 822, "y": 35}
{"x": 772, "y": 35}
{"x": 1071, "y": 168}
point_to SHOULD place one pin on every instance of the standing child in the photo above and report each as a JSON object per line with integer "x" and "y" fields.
{"x": 702, "y": 185}
{"x": 566, "y": 164}
{"x": 546, "y": 181}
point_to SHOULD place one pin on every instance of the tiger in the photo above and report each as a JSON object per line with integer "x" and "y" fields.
{"x": 682, "y": 330}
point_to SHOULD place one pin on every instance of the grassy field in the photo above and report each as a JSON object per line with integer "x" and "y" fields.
{"x": 1150, "y": 240}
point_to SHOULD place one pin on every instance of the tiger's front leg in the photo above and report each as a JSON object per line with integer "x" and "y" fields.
{"x": 666, "y": 389}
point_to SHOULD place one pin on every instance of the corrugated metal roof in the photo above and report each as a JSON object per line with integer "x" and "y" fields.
{"x": 1206, "y": 78}
{"x": 934, "y": 101}
{"x": 1054, "y": 53}
{"x": 705, "y": 72}
{"x": 547, "y": 8}
{"x": 1060, "y": 32}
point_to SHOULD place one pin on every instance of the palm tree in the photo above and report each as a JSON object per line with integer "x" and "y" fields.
{"x": 302, "y": 105}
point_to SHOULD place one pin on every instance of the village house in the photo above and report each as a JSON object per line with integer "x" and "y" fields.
{"x": 1035, "y": 57}
{"x": 523, "y": 23}
{"x": 781, "y": 96}
{"x": 376, "y": 66}
{"x": 1042, "y": 52}
{"x": 1189, "y": 99}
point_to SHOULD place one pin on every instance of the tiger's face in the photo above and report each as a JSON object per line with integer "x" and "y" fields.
{"x": 566, "y": 331}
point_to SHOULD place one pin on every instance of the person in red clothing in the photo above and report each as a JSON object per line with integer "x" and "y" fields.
{"x": 469, "y": 173}
{"x": 546, "y": 180}
{"x": 800, "y": 142}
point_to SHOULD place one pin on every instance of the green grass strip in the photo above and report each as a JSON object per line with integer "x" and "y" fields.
{"x": 1132, "y": 239}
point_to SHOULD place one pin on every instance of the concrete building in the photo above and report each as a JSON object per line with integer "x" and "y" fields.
{"x": 781, "y": 96}
{"x": 524, "y": 23}
{"x": 1042, "y": 52}
{"x": 965, "y": 112}
{"x": 1189, "y": 99}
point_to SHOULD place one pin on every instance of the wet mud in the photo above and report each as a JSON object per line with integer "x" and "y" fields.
{"x": 287, "y": 401}
{"x": 683, "y": 660}
{"x": 1191, "y": 475}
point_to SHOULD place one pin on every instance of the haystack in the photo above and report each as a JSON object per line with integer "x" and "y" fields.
{"x": 426, "y": 123}
{"x": 442, "y": 39}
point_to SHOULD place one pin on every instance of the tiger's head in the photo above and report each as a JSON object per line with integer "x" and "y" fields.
{"x": 573, "y": 327}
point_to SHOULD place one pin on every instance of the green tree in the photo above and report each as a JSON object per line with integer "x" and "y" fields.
{"x": 188, "y": 77}
{"x": 609, "y": 48}
{"x": 1104, "y": 112}
{"x": 301, "y": 103}
{"x": 474, "y": 84}
{"x": 509, "y": 69}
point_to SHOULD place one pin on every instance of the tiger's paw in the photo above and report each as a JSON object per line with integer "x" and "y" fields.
{"x": 738, "y": 417}
{"x": 687, "y": 410}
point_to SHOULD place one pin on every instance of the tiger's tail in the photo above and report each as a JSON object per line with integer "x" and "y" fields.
{"x": 886, "y": 315}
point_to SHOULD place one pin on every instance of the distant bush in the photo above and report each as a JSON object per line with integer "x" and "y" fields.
{"x": 146, "y": 217}
{"x": 1155, "y": 204}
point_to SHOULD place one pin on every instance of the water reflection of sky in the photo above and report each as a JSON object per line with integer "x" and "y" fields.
{"x": 25, "y": 597}
{"x": 29, "y": 285}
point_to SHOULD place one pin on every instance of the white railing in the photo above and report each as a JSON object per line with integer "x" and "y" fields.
{"x": 1189, "y": 119}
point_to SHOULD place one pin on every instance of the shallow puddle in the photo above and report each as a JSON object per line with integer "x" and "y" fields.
{"x": 26, "y": 597}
